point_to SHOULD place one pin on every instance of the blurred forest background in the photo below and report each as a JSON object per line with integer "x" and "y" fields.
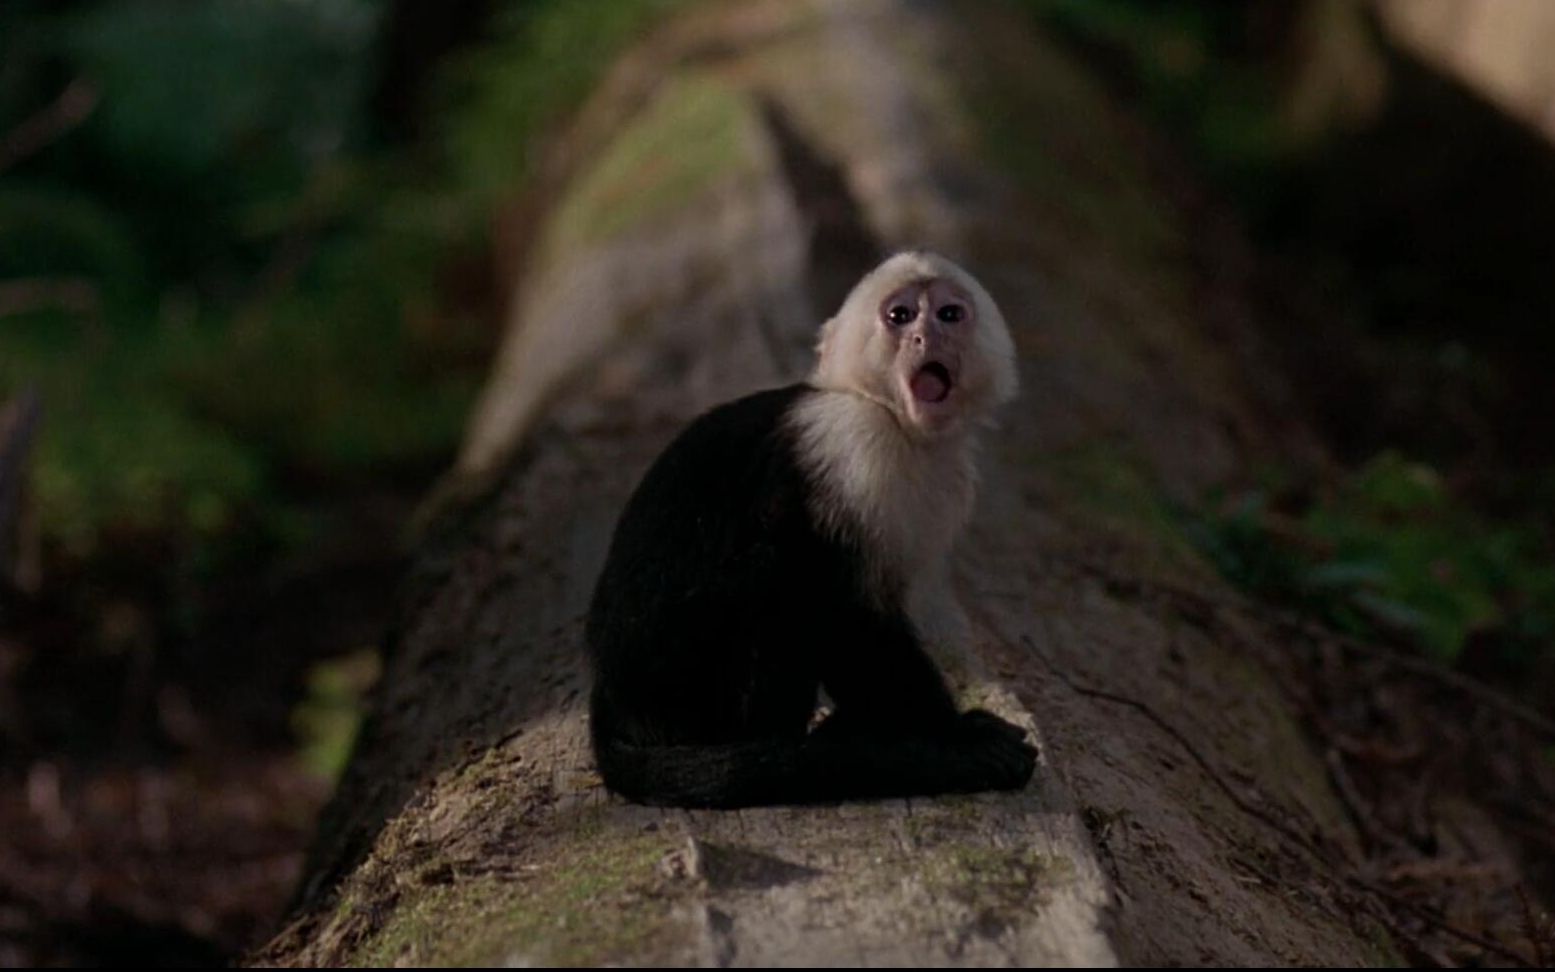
{"x": 254, "y": 255}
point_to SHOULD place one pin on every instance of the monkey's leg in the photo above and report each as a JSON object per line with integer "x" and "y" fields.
{"x": 982, "y": 755}
{"x": 891, "y": 696}
{"x": 873, "y": 667}
{"x": 896, "y": 731}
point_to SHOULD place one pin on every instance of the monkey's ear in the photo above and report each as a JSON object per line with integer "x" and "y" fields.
{"x": 826, "y": 339}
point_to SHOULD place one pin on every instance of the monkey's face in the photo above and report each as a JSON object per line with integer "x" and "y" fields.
{"x": 920, "y": 336}
{"x": 927, "y": 328}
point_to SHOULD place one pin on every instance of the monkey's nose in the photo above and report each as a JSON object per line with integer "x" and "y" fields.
{"x": 918, "y": 339}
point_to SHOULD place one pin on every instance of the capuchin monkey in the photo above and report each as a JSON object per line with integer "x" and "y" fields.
{"x": 772, "y": 551}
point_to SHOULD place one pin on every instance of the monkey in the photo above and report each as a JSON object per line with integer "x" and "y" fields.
{"x": 772, "y": 550}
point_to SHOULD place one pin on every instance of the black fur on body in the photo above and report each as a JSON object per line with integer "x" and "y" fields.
{"x": 723, "y": 608}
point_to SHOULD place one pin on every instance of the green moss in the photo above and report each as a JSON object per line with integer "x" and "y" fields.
{"x": 1000, "y": 886}
{"x": 598, "y": 901}
{"x": 692, "y": 134}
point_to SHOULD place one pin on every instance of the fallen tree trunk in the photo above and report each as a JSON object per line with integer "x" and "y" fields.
{"x": 739, "y": 171}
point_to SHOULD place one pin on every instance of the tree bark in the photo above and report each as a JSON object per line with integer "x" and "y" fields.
{"x": 732, "y": 177}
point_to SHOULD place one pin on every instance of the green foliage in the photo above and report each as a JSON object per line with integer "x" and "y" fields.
{"x": 58, "y": 231}
{"x": 1271, "y": 102}
{"x": 546, "y": 56}
{"x": 115, "y": 450}
{"x": 1183, "y": 58}
{"x": 330, "y": 716}
{"x": 240, "y": 311}
{"x": 1389, "y": 550}
{"x": 205, "y": 114}
{"x": 234, "y": 93}
{"x": 256, "y": 289}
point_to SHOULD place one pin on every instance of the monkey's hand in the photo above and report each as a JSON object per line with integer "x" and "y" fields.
{"x": 973, "y": 751}
{"x": 996, "y": 751}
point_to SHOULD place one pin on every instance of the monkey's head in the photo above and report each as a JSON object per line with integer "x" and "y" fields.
{"x": 920, "y": 336}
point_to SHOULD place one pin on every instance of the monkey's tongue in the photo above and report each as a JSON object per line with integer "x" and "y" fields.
{"x": 931, "y": 383}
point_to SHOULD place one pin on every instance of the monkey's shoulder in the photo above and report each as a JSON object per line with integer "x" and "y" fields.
{"x": 723, "y": 510}
{"x": 753, "y": 423}
{"x": 732, "y": 457}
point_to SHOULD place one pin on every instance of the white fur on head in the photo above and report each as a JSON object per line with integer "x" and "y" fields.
{"x": 854, "y": 354}
{"x": 903, "y": 494}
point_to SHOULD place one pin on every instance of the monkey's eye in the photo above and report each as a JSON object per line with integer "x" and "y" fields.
{"x": 901, "y": 314}
{"x": 951, "y": 313}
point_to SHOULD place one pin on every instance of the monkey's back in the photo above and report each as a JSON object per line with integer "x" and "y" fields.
{"x": 707, "y": 618}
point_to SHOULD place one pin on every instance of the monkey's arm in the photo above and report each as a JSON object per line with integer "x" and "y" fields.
{"x": 897, "y": 721}
{"x": 881, "y": 679}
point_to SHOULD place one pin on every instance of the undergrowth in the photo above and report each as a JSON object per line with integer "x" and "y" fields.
{"x": 1388, "y": 551}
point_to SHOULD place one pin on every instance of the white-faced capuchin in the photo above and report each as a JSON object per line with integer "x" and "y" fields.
{"x": 772, "y": 551}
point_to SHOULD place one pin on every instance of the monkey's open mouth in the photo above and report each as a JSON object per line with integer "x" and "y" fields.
{"x": 931, "y": 383}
